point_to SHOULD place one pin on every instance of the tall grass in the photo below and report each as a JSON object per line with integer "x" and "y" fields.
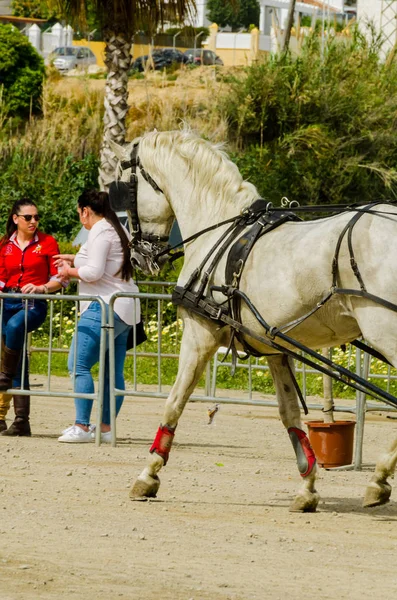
{"x": 51, "y": 158}
{"x": 189, "y": 98}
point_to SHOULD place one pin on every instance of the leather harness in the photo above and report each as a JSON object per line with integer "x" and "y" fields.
{"x": 238, "y": 241}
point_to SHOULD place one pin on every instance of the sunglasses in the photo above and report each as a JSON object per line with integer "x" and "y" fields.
{"x": 28, "y": 218}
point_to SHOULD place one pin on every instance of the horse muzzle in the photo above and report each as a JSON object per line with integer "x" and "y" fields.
{"x": 143, "y": 257}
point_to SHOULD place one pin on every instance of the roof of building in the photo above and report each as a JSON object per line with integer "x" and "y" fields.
{"x": 11, "y": 19}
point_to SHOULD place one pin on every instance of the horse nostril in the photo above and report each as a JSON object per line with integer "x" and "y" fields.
{"x": 138, "y": 261}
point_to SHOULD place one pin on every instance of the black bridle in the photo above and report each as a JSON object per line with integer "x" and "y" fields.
{"x": 124, "y": 196}
{"x": 146, "y": 248}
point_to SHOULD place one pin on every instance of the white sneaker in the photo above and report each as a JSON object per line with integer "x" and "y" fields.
{"x": 67, "y": 429}
{"x": 75, "y": 435}
{"x": 90, "y": 427}
{"x": 106, "y": 437}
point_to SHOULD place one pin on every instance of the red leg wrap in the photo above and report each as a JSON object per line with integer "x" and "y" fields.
{"x": 163, "y": 442}
{"x": 303, "y": 450}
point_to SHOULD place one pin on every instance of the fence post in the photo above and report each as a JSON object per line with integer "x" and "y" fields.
{"x": 57, "y": 34}
{"x": 68, "y": 35}
{"x": 213, "y": 35}
{"x": 34, "y": 35}
{"x": 174, "y": 38}
{"x": 254, "y": 45}
{"x": 328, "y": 392}
{"x": 360, "y": 410}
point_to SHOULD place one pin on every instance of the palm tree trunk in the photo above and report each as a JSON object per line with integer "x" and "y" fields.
{"x": 118, "y": 62}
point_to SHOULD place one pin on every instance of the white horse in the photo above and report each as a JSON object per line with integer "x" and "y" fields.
{"x": 287, "y": 273}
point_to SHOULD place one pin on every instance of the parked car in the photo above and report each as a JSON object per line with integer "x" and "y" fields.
{"x": 160, "y": 58}
{"x": 200, "y": 56}
{"x": 66, "y": 58}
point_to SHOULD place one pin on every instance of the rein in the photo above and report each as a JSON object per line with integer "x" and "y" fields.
{"x": 336, "y": 208}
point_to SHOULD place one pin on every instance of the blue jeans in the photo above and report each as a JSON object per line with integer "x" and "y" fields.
{"x": 88, "y": 336}
{"x": 14, "y": 328}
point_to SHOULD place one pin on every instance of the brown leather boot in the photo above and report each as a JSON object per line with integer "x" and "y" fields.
{"x": 5, "y": 400}
{"x": 21, "y": 425}
{"x": 9, "y": 365}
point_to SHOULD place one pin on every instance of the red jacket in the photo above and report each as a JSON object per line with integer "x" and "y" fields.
{"x": 34, "y": 264}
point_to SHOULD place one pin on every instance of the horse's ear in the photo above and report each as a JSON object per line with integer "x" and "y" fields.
{"x": 121, "y": 152}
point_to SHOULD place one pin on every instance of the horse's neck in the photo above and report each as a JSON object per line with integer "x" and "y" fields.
{"x": 196, "y": 211}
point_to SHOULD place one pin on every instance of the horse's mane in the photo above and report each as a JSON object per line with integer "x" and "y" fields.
{"x": 212, "y": 171}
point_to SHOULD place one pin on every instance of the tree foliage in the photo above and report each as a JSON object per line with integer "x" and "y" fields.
{"x": 241, "y": 13}
{"x": 34, "y": 9}
{"x": 120, "y": 20}
{"x": 21, "y": 73}
{"x": 319, "y": 129}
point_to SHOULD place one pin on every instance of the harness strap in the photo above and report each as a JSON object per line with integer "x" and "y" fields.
{"x": 337, "y": 372}
{"x": 349, "y": 227}
{"x": 135, "y": 162}
{"x": 365, "y": 294}
{"x": 297, "y": 388}
{"x": 371, "y": 351}
{"x": 197, "y": 272}
{"x": 235, "y": 230}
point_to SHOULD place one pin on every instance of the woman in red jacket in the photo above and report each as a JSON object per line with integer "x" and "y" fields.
{"x": 26, "y": 267}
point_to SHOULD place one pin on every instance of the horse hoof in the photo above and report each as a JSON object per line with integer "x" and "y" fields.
{"x": 306, "y": 503}
{"x": 377, "y": 494}
{"x": 145, "y": 488}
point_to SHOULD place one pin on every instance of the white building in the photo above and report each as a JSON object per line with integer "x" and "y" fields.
{"x": 383, "y": 13}
{"x": 201, "y": 19}
{"x": 5, "y": 7}
{"x": 277, "y": 10}
{"x": 280, "y": 7}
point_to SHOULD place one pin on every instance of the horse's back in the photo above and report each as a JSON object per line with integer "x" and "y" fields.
{"x": 291, "y": 269}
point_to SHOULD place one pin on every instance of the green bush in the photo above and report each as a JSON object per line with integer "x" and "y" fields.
{"x": 55, "y": 194}
{"x": 318, "y": 129}
{"x": 52, "y": 159}
{"x": 21, "y": 73}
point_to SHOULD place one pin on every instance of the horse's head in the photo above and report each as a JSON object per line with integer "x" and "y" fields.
{"x": 149, "y": 213}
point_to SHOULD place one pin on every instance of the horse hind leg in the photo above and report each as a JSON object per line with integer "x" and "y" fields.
{"x": 199, "y": 343}
{"x": 380, "y": 333}
{"x": 379, "y": 490}
{"x": 281, "y": 368}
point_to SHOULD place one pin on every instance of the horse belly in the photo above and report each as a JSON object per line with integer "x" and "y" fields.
{"x": 331, "y": 325}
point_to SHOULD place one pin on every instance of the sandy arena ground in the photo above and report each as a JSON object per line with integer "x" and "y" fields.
{"x": 219, "y": 530}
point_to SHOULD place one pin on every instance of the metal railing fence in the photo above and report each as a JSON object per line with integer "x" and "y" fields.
{"x": 47, "y": 390}
{"x": 156, "y": 308}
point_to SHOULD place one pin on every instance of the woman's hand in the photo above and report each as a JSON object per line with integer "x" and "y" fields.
{"x": 60, "y": 259}
{"x": 63, "y": 270}
{"x": 30, "y": 288}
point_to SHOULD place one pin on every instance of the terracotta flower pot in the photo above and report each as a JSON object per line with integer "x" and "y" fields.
{"x": 332, "y": 442}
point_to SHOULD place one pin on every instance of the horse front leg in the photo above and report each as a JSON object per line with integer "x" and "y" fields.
{"x": 281, "y": 367}
{"x": 379, "y": 490}
{"x": 197, "y": 347}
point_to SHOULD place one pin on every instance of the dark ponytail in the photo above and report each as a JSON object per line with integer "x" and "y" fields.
{"x": 99, "y": 204}
{"x": 11, "y": 227}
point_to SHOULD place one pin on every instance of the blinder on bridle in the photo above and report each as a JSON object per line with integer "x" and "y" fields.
{"x": 124, "y": 196}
